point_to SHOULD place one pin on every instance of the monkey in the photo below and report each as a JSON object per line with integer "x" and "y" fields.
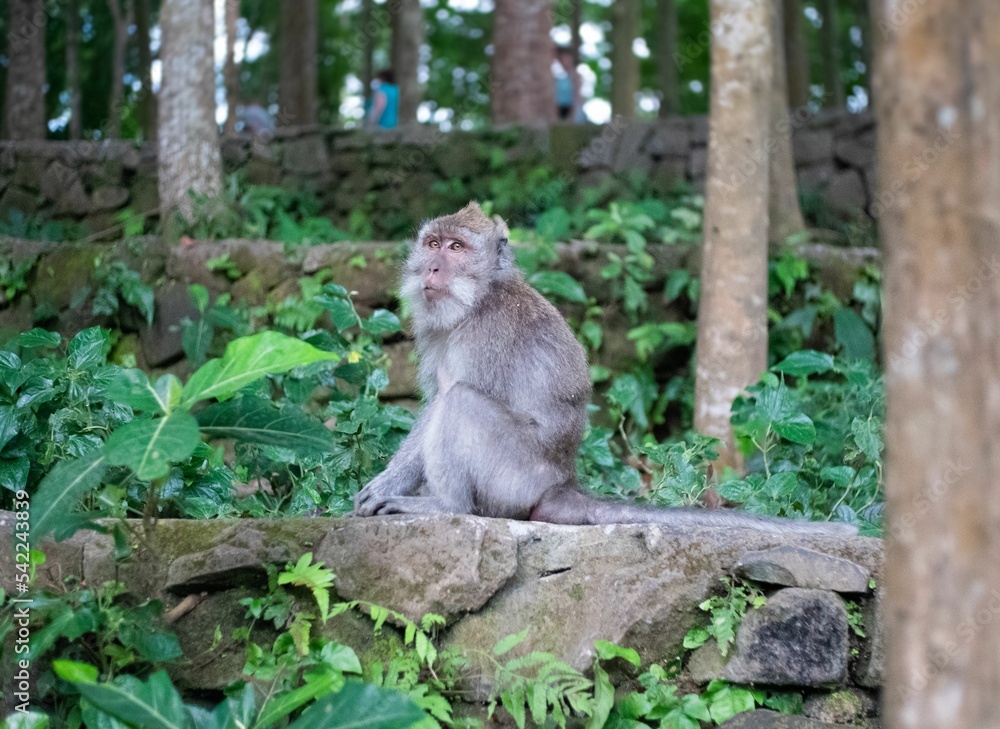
{"x": 506, "y": 387}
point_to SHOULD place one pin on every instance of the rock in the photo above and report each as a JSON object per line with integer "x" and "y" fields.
{"x": 30, "y": 170}
{"x": 840, "y": 707}
{"x": 845, "y": 195}
{"x": 600, "y": 152}
{"x": 14, "y": 198}
{"x": 402, "y": 371}
{"x": 567, "y": 142}
{"x": 449, "y": 571}
{"x": 799, "y": 638}
{"x": 856, "y": 151}
{"x": 261, "y": 171}
{"x": 699, "y": 130}
{"x": 108, "y": 198}
{"x": 766, "y": 719}
{"x": 812, "y": 147}
{"x": 870, "y": 668}
{"x": 670, "y": 139}
{"x": 698, "y": 163}
{"x": 161, "y": 342}
{"x": 815, "y": 176}
{"x": 630, "y": 155}
{"x": 305, "y": 155}
{"x": 58, "y": 178}
{"x": 797, "y": 567}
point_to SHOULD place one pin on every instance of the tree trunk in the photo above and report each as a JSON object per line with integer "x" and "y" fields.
{"x": 147, "y": 99}
{"x": 188, "y": 137}
{"x": 796, "y": 56}
{"x": 523, "y": 86}
{"x": 231, "y": 70}
{"x": 938, "y": 101}
{"x": 732, "y": 316}
{"x": 833, "y": 84}
{"x": 624, "y": 64}
{"x": 407, "y": 38}
{"x": 297, "y": 87}
{"x": 666, "y": 65}
{"x": 367, "y": 51}
{"x": 121, "y": 23}
{"x": 784, "y": 212}
{"x": 575, "y": 21}
{"x": 73, "y": 69}
{"x": 24, "y": 100}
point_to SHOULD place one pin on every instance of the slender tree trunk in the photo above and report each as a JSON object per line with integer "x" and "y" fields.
{"x": 575, "y": 21}
{"x": 367, "y": 51}
{"x": 24, "y": 100}
{"x": 796, "y": 55}
{"x": 120, "y": 17}
{"x": 732, "y": 316}
{"x": 188, "y": 137}
{"x": 666, "y": 47}
{"x": 407, "y": 38}
{"x": 147, "y": 100}
{"x": 938, "y": 101}
{"x": 624, "y": 64}
{"x": 232, "y": 71}
{"x": 523, "y": 87}
{"x": 784, "y": 212}
{"x": 833, "y": 84}
{"x": 297, "y": 87}
{"x": 73, "y": 68}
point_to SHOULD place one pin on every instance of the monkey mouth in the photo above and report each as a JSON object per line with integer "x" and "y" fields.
{"x": 433, "y": 294}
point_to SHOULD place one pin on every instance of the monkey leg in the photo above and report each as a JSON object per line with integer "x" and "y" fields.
{"x": 410, "y": 505}
{"x": 482, "y": 458}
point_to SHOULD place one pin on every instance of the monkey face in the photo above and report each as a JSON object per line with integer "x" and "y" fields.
{"x": 452, "y": 263}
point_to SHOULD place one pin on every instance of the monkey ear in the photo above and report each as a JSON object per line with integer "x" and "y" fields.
{"x": 502, "y": 233}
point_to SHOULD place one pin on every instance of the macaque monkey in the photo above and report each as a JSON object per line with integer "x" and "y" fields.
{"x": 506, "y": 387}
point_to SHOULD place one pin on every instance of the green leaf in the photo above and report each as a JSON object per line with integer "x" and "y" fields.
{"x": 148, "y": 447}
{"x": 867, "y": 434}
{"x": 75, "y": 672}
{"x": 255, "y": 420}
{"x": 154, "y": 704}
{"x": 88, "y": 349}
{"x": 37, "y": 338}
{"x": 382, "y": 321}
{"x": 559, "y": 284}
{"x": 607, "y": 651}
{"x": 360, "y": 706}
{"x": 132, "y": 387}
{"x": 729, "y": 701}
{"x": 604, "y": 698}
{"x": 782, "y": 485}
{"x": 196, "y": 339}
{"x": 505, "y": 645}
{"x": 8, "y": 425}
{"x": 285, "y": 704}
{"x": 61, "y": 491}
{"x": 26, "y": 720}
{"x": 14, "y": 472}
{"x": 805, "y": 362}
{"x": 798, "y": 429}
{"x": 853, "y": 335}
{"x": 247, "y": 360}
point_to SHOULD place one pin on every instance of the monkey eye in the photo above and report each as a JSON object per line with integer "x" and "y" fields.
{"x": 432, "y": 243}
{"x": 457, "y": 245}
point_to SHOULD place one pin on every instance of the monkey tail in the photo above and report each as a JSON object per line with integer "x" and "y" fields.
{"x": 564, "y": 505}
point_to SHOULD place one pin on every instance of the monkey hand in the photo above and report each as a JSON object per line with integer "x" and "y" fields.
{"x": 379, "y": 490}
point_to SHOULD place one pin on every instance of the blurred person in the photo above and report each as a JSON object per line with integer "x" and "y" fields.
{"x": 569, "y": 101}
{"x": 382, "y": 111}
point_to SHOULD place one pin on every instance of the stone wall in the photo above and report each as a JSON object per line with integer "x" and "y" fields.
{"x": 90, "y": 182}
{"x": 636, "y": 585}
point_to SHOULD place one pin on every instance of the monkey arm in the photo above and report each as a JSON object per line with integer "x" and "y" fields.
{"x": 402, "y": 477}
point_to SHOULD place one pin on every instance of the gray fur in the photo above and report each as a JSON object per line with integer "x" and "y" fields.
{"x": 506, "y": 387}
